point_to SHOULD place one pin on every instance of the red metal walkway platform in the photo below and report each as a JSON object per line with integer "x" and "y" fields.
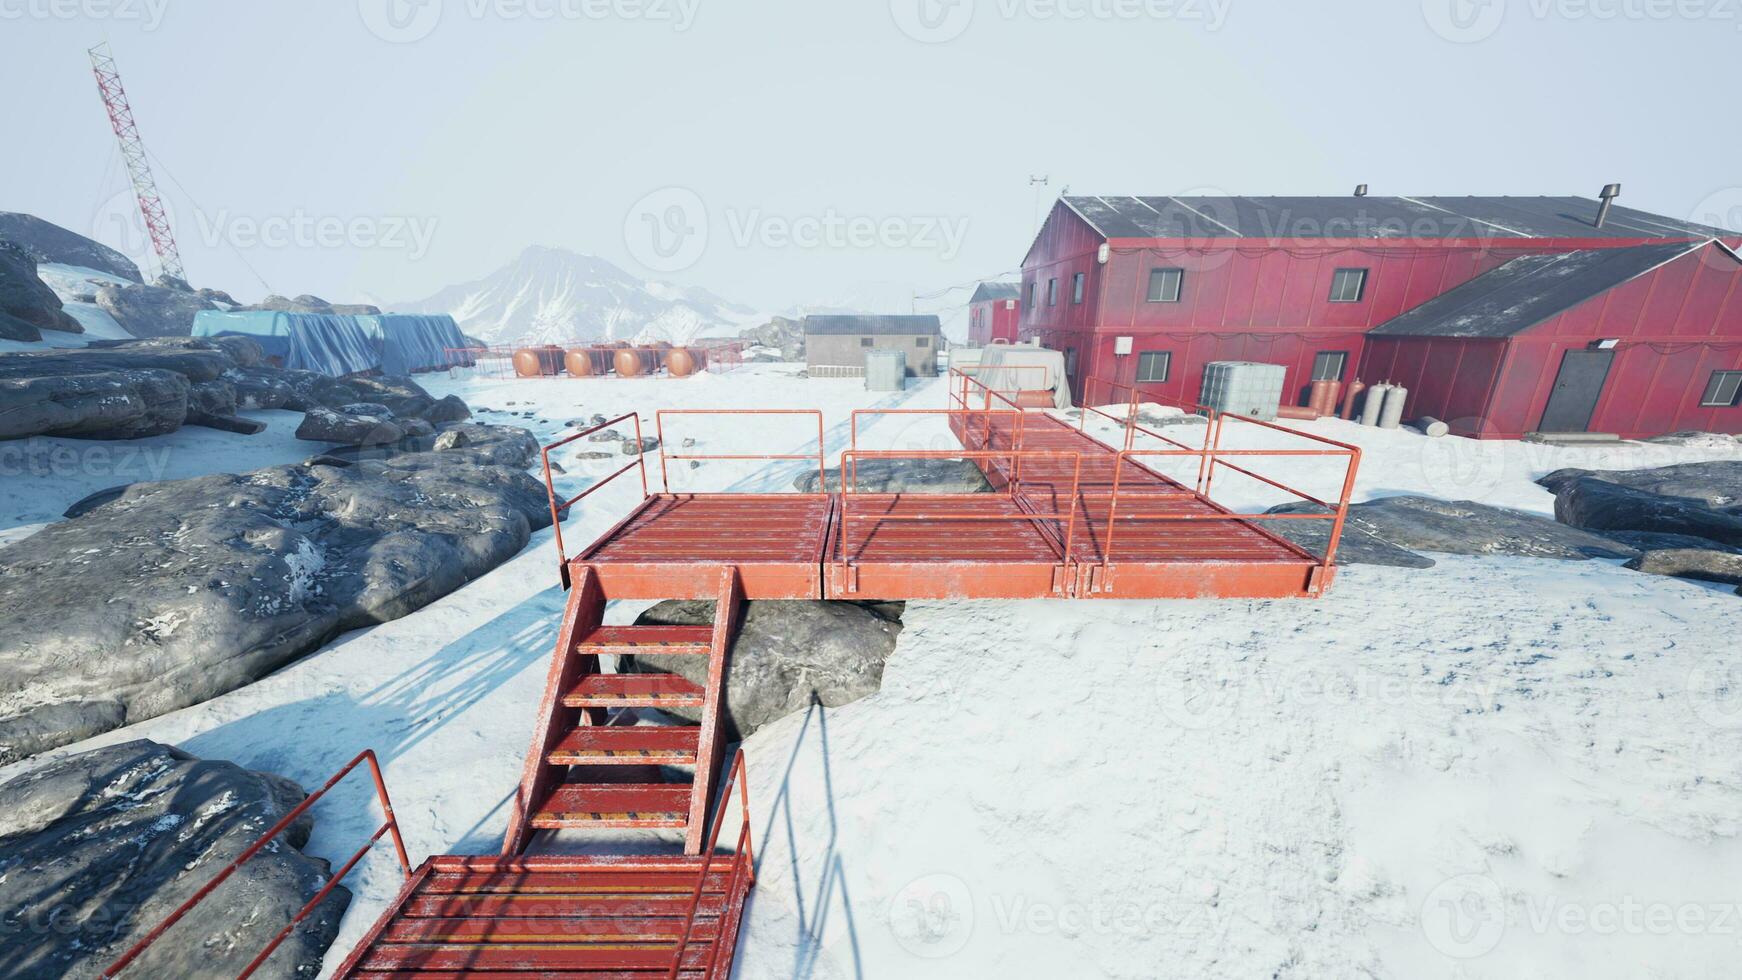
{"x": 1071, "y": 516}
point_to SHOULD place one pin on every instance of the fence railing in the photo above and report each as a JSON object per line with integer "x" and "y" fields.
{"x": 820, "y": 455}
{"x": 559, "y": 505}
{"x": 388, "y": 828}
{"x": 966, "y": 388}
{"x": 743, "y": 865}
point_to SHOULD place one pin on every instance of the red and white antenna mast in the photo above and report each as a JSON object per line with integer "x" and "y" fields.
{"x": 133, "y": 152}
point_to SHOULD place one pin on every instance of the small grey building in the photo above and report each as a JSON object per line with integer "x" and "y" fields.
{"x": 835, "y": 346}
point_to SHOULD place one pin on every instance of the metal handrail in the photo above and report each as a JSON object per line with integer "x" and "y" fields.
{"x": 850, "y": 479}
{"x": 819, "y": 455}
{"x": 556, "y": 509}
{"x": 743, "y": 861}
{"x": 951, "y": 413}
{"x": 389, "y": 827}
{"x": 990, "y": 392}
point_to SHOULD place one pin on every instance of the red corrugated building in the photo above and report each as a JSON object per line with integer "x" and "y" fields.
{"x": 1179, "y": 282}
{"x": 992, "y": 313}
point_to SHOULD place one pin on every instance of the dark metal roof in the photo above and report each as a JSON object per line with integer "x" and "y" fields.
{"x": 1526, "y": 291}
{"x": 861, "y": 324}
{"x": 1374, "y": 217}
{"x": 989, "y": 291}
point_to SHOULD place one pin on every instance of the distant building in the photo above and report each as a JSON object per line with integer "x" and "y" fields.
{"x": 1501, "y": 315}
{"x": 835, "y": 346}
{"x": 993, "y": 313}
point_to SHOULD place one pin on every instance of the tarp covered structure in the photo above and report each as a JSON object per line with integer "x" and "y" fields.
{"x": 392, "y": 343}
{"x": 410, "y": 342}
{"x": 1009, "y": 368}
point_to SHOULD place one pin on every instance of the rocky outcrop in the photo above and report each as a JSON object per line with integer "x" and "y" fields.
{"x": 1601, "y": 505}
{"x": 781, "y": 333}
{"x": 787, "y": 655}
{"x": 1464, "y": 527}
{"x": 45, "y": 242}
{"x": 26, "y": 299}
{"x": 1358, "y": 545}
{"x": 1703, "y": 564}
{"x": 902, "y": 476}
{"x": 179, "y": 591}
{"x": 351, "y": 429}
{"x": 152, "y": 311}
{"x": 1717, "y": 485}
{"x": 109, "y": 405}
{"x": 314, "y": 304}
{"x": 97, "y": 848}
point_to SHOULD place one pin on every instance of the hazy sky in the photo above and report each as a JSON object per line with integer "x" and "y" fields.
{"x": 789, "y": 151}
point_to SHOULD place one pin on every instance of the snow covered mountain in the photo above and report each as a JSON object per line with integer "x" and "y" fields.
{"x": 553, "y": 295}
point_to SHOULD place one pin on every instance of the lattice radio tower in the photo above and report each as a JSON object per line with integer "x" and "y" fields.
{"x": 133, "y": 152}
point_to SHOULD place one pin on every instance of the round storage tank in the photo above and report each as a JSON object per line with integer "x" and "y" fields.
{"x": 885, "y": 370}
{"x": 681, "y": 363}
{"x": 630, "y": 363}
{"x": 537, "y": 362}
{"x": 580, "y": 363}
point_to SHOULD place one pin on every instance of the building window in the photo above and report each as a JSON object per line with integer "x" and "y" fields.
{"x": 1347, "y": 285}
{"x": 1052, "y": 292}
{"x": 866, "y": 342}
{"x": 1077, "y": 287}
{"x": 1721, "y": 391}
{"x": 1070, "y": 363}
{"x": 1153, "y": 365}
{"x": 1328, "y": 365}
{"x": 1164, "y": 285}
{"x": 1031, "y": 295}
{"x": 922, "y": 341}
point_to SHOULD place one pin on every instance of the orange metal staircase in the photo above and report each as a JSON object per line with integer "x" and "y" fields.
{"x": 581, "y": 771}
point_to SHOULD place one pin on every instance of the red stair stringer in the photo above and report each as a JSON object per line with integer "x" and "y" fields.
{"x": 710, "y": 752}
{"x": 584, "y": 613}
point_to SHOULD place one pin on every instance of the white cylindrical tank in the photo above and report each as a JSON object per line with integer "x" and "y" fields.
{"x": 1391, "y": 413}
{"x": 885, "y": 370}
{"x": 1431, "y": 426}
{"x": 1374, "y": 402}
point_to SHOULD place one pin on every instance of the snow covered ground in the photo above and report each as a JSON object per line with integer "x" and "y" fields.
{"x": 1493, "y": 768}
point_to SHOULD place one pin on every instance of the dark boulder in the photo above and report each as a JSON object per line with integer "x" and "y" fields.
{"x": 1717, "y": 485}
{"x": 97, "y": 848}
{"x": 12, "y": 328}
{"x": 106, "y": 405}
{"x": 787, "y": 654}
{"x": 196, "y": 359}
{"x": 152, "y": 311}
{"x": 25, "y": 298}
{"x": 45, "y": 242}
{"x": 1358, "y": 546}
{"x": 332, "y": 425}
{"x": 449, "y": 408}
{"x": 1724, "y": 567}
{"x": 1655, "y": 541}
{"x": 179, "y": 591}
{"x": 1598, "y": 504}
{"x": 902, "y": 476}
{"x": 1464, "y": 527}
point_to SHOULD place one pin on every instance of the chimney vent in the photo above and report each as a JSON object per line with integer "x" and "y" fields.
{"x": 1608, "y": 195}
{"x": 1360, "y": 190}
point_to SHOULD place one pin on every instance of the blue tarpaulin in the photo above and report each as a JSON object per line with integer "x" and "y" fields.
{"x": 391, "y": 343}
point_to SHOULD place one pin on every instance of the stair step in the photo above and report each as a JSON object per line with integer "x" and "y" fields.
{"x": 634, "y": 691}
{"x": 473, "y": 957}
{"x": 598, "y": 745}
{"x": 615, "y": 805}
{"x": 619, "y": 640}
{"x": 627, "y": 929}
